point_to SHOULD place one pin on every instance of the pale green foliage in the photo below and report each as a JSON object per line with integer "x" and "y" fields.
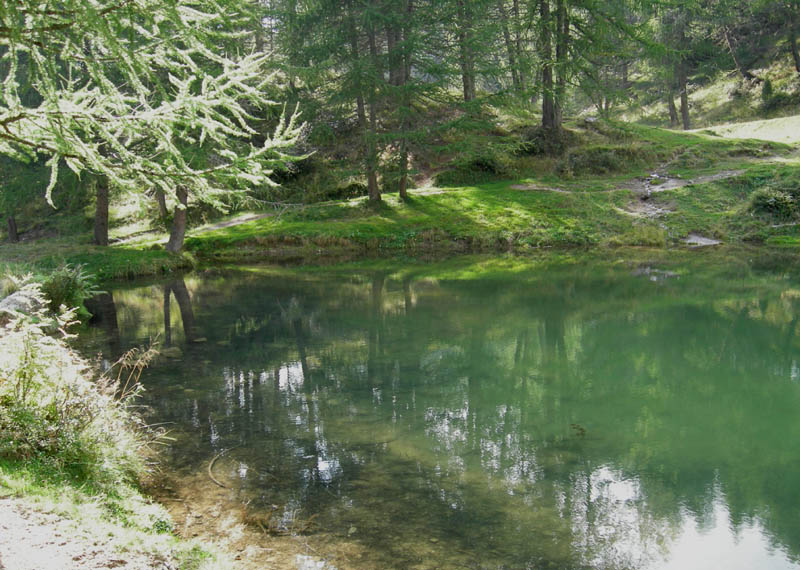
{"x": 52, "y": 410}
{"x": 140, "y": 91}
{"x": 68, "y": 285}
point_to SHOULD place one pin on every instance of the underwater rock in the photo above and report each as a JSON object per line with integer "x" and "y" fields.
{"x": 171, "y": 352}
{"x": 304, "y": 562}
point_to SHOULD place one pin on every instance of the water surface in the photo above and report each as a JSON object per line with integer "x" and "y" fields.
{"x": 558, "y": 412}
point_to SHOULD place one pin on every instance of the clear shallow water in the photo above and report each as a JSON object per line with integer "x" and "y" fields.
{"x": 553, "y": 413}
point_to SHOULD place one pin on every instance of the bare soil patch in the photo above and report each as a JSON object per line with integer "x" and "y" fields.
{"x": 33, "y": 540}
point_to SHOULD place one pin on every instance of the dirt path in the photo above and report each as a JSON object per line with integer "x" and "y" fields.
{"x": 31, "y": 540}
{"x": 654, "y": 183}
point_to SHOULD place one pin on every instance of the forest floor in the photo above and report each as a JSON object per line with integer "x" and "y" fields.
{"x": 35, "y": 539}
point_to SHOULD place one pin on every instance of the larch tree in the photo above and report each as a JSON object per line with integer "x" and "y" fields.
{"x": 143, "y": 94}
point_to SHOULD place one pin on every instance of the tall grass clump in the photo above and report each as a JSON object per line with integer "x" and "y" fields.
{"x": 54, "y": 410}
{"x": 68, "y": 285}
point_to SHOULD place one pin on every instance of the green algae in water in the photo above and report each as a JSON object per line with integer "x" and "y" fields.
{"x": 584, "y": 413}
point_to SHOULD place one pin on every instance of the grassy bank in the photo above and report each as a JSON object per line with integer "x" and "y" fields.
{"x": 604, "y": 198}
{"x": 69, "y": 441}
{"x": 598, "y": 191}
{"x": 113, "y": 262}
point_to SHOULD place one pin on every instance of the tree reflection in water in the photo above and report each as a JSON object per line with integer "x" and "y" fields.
{"x": 578, "y": 416}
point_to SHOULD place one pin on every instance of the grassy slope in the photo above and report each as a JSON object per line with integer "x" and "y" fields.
{"x": 725, "y": 99}
{"x": 497, "y": 215}
{"x": 783, "y": 130}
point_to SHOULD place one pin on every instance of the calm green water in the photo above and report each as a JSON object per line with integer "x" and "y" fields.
{"x": 553, "y": 413}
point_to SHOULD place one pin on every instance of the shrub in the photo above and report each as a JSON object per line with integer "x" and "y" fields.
{"x": 70, "y": 286}
{"x": 538, "y": 141}
{"x": 775, "y": 202}
{"x": 767, "y": 91}
{"x": 476, "y": 169}
{"x": 603, "y": 159}
{"x": 51, "y": 410}
{"x": 641, "y": 235}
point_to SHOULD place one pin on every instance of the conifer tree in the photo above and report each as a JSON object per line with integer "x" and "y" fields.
{"x": 143, "y": 93}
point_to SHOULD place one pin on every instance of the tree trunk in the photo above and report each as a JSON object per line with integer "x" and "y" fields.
{"x": 562, "y": 47}
{"x": 178, "y": 231}
{"x": 354, "y": 52}
{"x": 13, "y": 234}
{"x": 736, "y": 61}
{"x": 793, "y": 45}
{"x": 673, "y": 111}
{"x": 548, "y": 102}
{"x": 101, "y": 213}
{"x": 402, "y": 185}
{"x": 465, "y": 50}
{"x": 161, "y": 199}
{"x": 518, "y": 41}
{"x": 624, "y": 73}
{"x": 294, "y": 35}
{"x": 372, "y": 135}
{"x": 512, "y": 63}
{"x": 405, "y": 121}
{"x": 361, "y": 112}
{"x": 684, "y": 93}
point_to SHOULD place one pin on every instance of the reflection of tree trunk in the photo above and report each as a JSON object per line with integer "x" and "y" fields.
{"x": 474, "y": 361}
{"x": 101, "y": 212}
{"x": 790, "y": 336}
{"x": 104, "y": 315}
{"x": 167, "y": 317}
{"x": 407, "y": 294}
{"x": 185, "y": 305}
{"x": 374, "y": 334}
{"x": 554, "y": 337}
{"x": 13, "y": 234}
{"x": 297, "y": 326}
{"x": 521, "y": 348}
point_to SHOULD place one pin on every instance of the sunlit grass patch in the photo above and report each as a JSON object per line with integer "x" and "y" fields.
{"x": 783, "y": 130}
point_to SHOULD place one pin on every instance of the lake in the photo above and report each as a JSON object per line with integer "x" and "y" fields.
{"x": 567, "y": 410}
